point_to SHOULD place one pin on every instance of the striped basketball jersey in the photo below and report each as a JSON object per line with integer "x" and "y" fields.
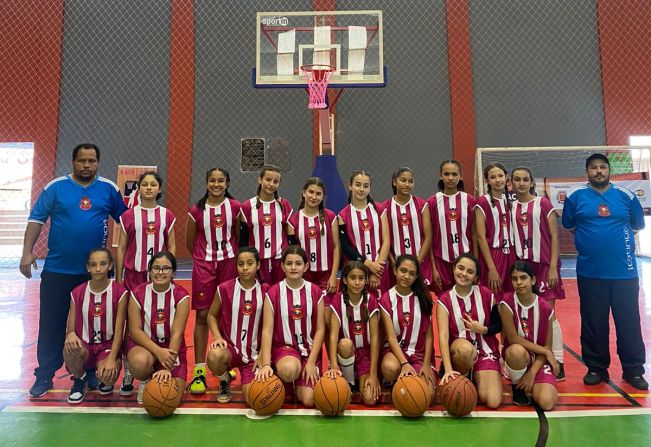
{"x": 364, "y": 228}
{"x": 406, "y": 225}
{"x": 315, "y": 238}
{"x": 355, "y": 328}
{"x": 498, "y": 221}
{"x": 240, "y": 313}
{"x": 157, "y": 310}
{"x": 295, "y": 315}
{"x": 531, "y": 235}
{"x": 266, "y": 225}
{"x": 409, "y": 324}
{"x": 95, "y": 313}
{"x": 147, "y": 231}
{"x": 215, "y": 237}
{"x": 531, "y": 322}
{"x": 478, "y": 304}
{"x": 452, "y": 218}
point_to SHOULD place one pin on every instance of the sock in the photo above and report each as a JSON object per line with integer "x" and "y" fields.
{"x": 347, "y": 368}
{"x": 125, "y": 365}
{"x": 224, "y": 377}
{"x": 516, "y": 374}
{"x": 82, "y": 377}
{"x": 557, "y": 341}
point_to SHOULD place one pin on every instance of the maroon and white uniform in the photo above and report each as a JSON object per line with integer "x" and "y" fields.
{"x": 478, "y": 303}
{"x": 406, "y": 230}
{"x": 132, "y": 199}
{"x": 409, "y": 324}
{"x": 497, "y": 218}
{"x": 315, "y": 237}
{"x": 215, "y": 238}
{"x": 532, "y": 323}
{"x": 266, "y": 225}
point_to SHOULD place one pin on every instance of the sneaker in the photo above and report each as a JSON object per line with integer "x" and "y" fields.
{"x": 561, "y": 373}
{"x": 593, "y": 378}
{"x": 637, "y": 382}
{"x": 519, "y": 396}
{"x": 127, "y": 385}
{"x": 77, "y": 391}
{"x": 224, "y": 395}
{"x": 198, "y": 384}
{"x": 40, "y": 387}
{"x": 141, "y": 391}
{"x": 91, "y": 380}
{"x": 104, "y": 389}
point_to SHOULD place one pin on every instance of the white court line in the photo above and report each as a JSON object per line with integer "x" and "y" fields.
{"x": 306, "y": 412}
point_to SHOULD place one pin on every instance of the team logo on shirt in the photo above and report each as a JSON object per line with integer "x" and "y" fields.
{"x": 525, "y": 327}
{"x": 201, "y": 296}
{"x": 85, "y": 204}
{"x": 406, "y": 319}
{"x": 247, "y": 308}
{"x": 366, "y": 225}
{"x": 160, "y": 316}
{"x": 97, "y": 309}
{"x": 404, "y": 219}
{"x": 453, "y": 214}
{"x": 297, "y": 312}
{"x": 604, "y": 211}
{"x": 151, "y": 228}
{"x": 312, "y": 232}
{"x": 218, "y": 221}
{"x": 524, "y": 219}
{"x": 266, "y": 220}
{"x": 358, "y": 327}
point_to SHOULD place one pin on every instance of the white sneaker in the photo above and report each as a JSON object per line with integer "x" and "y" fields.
{"x": 141, "y": 391}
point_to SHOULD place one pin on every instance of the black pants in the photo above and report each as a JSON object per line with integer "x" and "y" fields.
{"x": 54, "y": 307}
{"x": 598, "y": 297}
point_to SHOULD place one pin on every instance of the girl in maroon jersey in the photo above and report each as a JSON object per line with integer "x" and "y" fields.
{"x": 354, "y": 344}
{"x": 535, "y": 237}
{"x": 364, "y": 231}
{"x": 468, "y": 320}
{"x": 410, "y": 226}
{"x": 527, "y": 324}
{"x": 493, "y": 231}
{"x": 293, "y": 328}
{"x": 407, "y": 319}
{"x": 266, "y": 217}
{"x": 235, "y": 323}
{"x": 96, "y": 319}
{"x": 158, "y": 313}
{"x": 212, "y": 236}
{"x": 451, "y": 210}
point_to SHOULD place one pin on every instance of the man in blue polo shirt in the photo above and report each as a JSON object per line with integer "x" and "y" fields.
{"x": 604, "y": 218}
{"x": 78, "y": 206}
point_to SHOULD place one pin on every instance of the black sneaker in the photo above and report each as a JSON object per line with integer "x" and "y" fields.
{"x": 40, "y": 387}
{"x": 593, "y": 378}
{"x": 91, "y": 380}
{"x": 224, "y": 395}
{"x": 104, "y": 389}
{"x": 77, "y": 391}
{"x": 637, "y": 382}
{"x": 561, "y": 372}
{"x": 519, "y": 396}
{"x": 127, "y": 385}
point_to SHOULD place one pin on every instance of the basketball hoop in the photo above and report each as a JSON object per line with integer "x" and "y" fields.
{"x": 317, "y": 77}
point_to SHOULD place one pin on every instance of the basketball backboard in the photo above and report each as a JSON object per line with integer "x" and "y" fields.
{"x": 350, "y": 41}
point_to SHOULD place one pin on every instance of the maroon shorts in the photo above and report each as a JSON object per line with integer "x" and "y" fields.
{"x": 362, "y": 361}
{"x": 97, "y": 352}
{"x": 415, "y": 360}
{"x": 271, "y": 271}
{"x": 486, "y": 363}
{"x": 133, "y": 279}
{"x": 247, "y": 370}
{"x": 503, "y": 262}
{"x": 206, "y": 276}
{"x": 180, "y": 369}
{"x": 279, "y": 352}
{"x": 318, "y": 278}
{"x": 444, "y": 270}
{"x": 541, "y": 271}
{"x": 545, "y": 374}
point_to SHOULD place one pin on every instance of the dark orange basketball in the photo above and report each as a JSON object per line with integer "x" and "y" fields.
{"x": 459, "y": 396}
{"x": 411, "y": 396}
{"x": 161, "y": 399}
{"x": 331, "y": 396}
{"x": 266, "y": 397}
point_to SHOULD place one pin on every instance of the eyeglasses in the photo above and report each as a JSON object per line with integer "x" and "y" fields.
{"x": 161, "y": 269}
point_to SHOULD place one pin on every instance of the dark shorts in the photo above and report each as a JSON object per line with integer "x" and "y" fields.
{"x": 97, "y": 352}
{"x": 133, "y": 279}
{"x": 247, "y": 370}
{"x": 180, "y": 369}
{"x": 541, "y": 271}
{"x": 206, "y": 276}
{"x": 280, "y": 352}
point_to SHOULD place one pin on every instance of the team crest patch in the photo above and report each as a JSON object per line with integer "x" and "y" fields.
{"x": 312, "y": 233}
{"x": 366, "y": 225}
{"x": 201, "y": 296}
{"x": 604, "y": 211}
{"x": 160, "y": 316}
{"x": 406, "y": 319}
{"x": 297, "y": 312}
{"x": 358, "y": 328}
{"x": 524, "y": 219}
{"x": 453, "y": 214}
{"x": 97, "y": 310}
{"x": 218, "y": 222}
{"x": 404, "y": 219}
{"x": 151, "y": 228}
{"x": 247, "y": 308}
{"x": 266, "y": 220}
{"x": 85, "y": 203}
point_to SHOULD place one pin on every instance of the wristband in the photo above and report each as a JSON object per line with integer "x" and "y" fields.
{"x": 403, "y": 364}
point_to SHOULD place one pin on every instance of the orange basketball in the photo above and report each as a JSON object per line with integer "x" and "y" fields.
{"x": 161, "y": 399}
{"x": 331, "y": 396}
{"x": 266, "y": 397}
{"x": 411, "y": 396}
{"x": 459, "y": 396}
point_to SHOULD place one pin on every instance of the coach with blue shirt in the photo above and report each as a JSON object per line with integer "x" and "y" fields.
{"x": 78, "y": 206}
{"x": 604, "y": 218}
